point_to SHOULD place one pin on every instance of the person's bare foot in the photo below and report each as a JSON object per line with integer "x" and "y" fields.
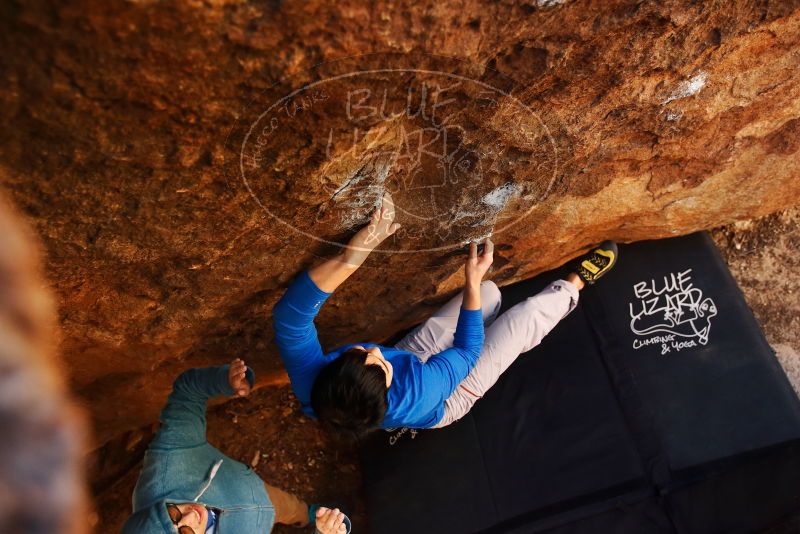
{"x": 331, "y": 521}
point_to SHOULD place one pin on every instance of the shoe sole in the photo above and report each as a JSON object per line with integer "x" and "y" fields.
{"x": 607, "y": 249}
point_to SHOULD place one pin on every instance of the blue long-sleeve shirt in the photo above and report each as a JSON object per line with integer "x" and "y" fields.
{"x": 418, "y": 390}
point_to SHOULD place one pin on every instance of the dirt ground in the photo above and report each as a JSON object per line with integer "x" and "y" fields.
{"x": 762, "y": 255}
{"x": 294, "y": 454}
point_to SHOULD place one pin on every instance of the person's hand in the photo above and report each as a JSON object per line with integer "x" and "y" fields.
{"x": 237, "y": 378}
{"x": 476, "y": 265}
{"x": 330, "y": 521}
{"x": 381, "y": 225}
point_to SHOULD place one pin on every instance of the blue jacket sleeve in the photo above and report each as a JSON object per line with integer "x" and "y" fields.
{"x": 296, "y": 337}
{"x": 443, "y": 372}
{"x": 183, "y": 419}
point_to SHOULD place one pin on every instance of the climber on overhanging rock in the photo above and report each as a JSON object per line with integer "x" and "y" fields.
{"x": 188, "y": 486}
{"x": 434, "y": 375}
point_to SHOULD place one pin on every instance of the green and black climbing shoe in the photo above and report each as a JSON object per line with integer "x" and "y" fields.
{"x": 597, "y": 262}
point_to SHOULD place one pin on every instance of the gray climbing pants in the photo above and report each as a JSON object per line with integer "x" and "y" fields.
{"x": 518, "y": 330}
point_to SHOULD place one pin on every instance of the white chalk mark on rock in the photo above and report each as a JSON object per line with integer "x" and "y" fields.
{"x": 353, "y": 177}
{"x": 673, "y": 115}
{"x": 478, "y": 238}
{"x": 494, "y": 202}
{"x": 498, "y": 198}
{"x": 362, "y": 198}
{"x": 462, "y": 214}
{"x": 550, "y": 3}
{"x": 689, "y": 87}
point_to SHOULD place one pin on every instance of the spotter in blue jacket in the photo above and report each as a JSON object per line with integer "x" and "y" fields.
{"x": 180, "y": 466}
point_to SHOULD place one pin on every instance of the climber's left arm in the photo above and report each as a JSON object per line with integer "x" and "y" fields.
{"x": 329, "y": 275}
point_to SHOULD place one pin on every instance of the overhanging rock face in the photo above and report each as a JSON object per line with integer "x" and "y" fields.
{"x": 183, "y": 161}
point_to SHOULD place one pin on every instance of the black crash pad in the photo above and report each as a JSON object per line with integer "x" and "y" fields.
{"x": 657, "y": 406}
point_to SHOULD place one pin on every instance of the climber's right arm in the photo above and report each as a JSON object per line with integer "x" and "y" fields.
{"x": 293, "y": 316}
{"x": 329, "y": 275}
{"x": 296, "y": 336}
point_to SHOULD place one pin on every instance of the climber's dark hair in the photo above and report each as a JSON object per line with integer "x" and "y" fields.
{"x": 349, "y": 396}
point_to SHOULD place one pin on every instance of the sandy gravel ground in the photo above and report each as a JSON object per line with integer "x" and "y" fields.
{"x": 764, "y": 257}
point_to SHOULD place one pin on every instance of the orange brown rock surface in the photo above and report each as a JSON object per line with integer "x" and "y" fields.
{"x": 125, "y": 138}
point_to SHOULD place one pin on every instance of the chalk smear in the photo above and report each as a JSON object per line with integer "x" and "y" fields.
{"x": 689, "y": 87}
{"x": 362, "y": 199}
{"x": 498, "y": 198}
{"x": 494, "y": 201}
{"x": 463, "y": 214}
{"x": 478, "y": 238}
{"x": 673, "y": 115}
